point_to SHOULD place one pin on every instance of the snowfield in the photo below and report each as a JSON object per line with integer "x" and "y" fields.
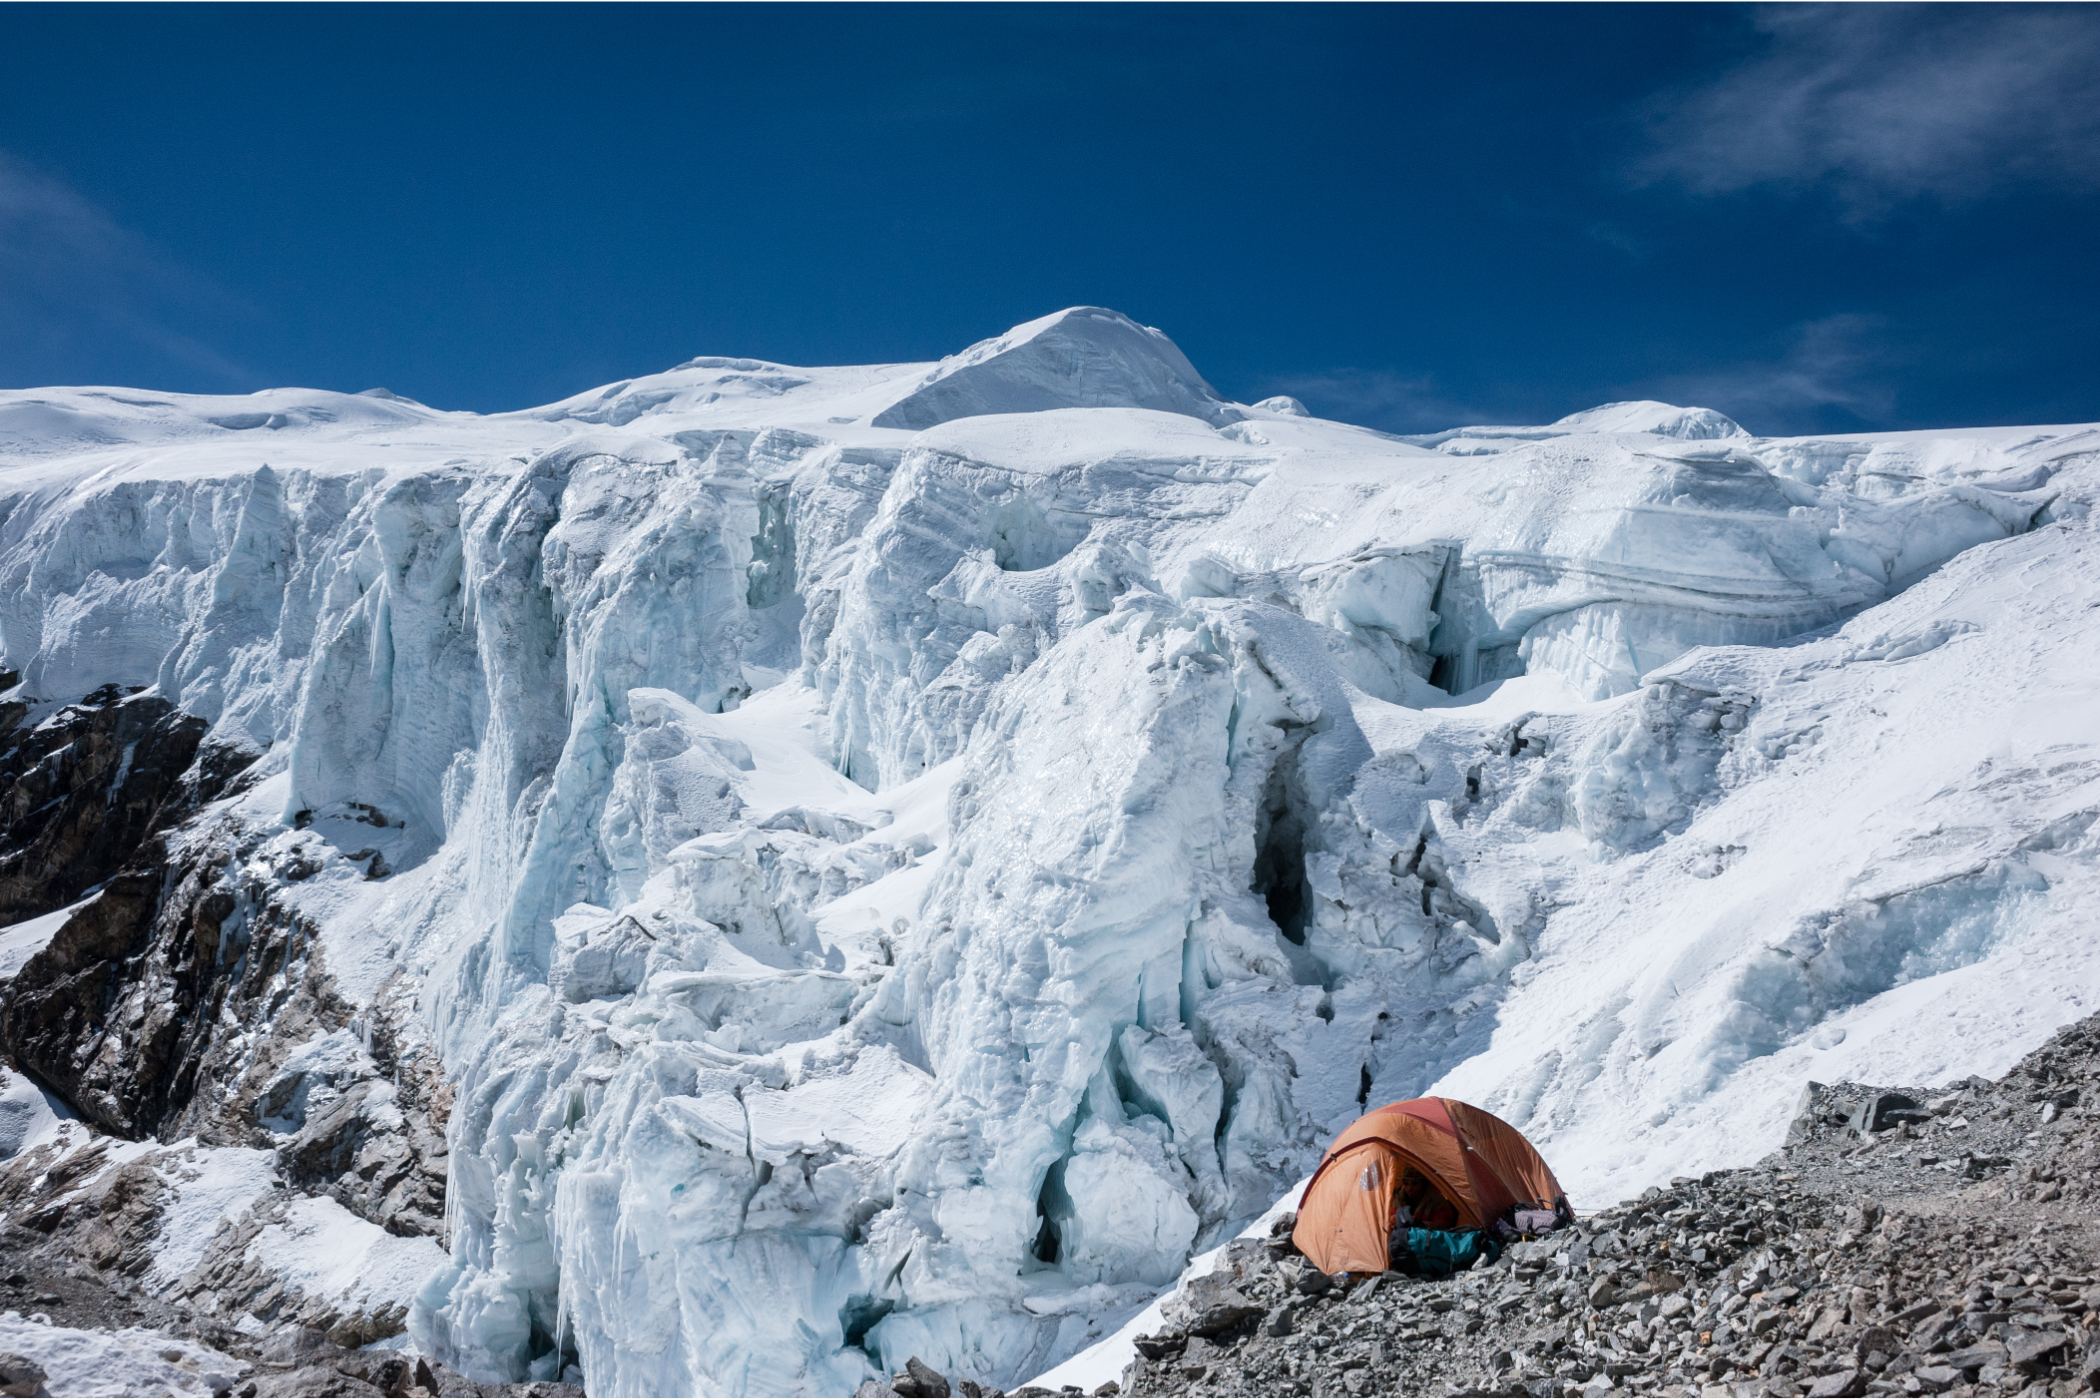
{"x": 133, "y": 1361}
{"x": 898, "y": 859}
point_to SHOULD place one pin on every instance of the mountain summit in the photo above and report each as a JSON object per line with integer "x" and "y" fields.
{"x": 1081, "y": 357}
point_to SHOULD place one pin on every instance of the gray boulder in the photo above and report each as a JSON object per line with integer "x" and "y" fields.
{"x": 19, "y": 1375}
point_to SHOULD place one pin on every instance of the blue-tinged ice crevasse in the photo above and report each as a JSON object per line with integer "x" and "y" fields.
{"x": 895, "y": 887}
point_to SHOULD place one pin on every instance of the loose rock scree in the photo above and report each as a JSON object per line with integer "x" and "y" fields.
{"x": 1901, "y": 1242}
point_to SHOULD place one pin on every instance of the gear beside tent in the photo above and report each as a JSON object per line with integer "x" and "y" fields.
{"x": 1453, "y": 1165}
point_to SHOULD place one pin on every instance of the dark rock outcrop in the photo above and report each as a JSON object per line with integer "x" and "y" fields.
{"x": 86, "y": 797}
{"x": 55, "y": 1016}
{"x": 82, "y": 789}
{"x": 168, "y": 1003}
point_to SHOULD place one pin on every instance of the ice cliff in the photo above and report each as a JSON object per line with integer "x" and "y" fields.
{"x": 892, "y": 860}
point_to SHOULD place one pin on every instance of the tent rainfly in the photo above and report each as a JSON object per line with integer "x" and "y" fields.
{"x": 1485, "y": 1168}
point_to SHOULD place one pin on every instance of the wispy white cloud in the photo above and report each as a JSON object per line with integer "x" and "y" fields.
{"x": 1833, "y": 370}
{"x": 76, "y": 288}
{"x": 1885, "y": 103}
{"x": 1613, "y": 236}
{"x": 1376, "y": 398}
{"x": 1835, "y": 362}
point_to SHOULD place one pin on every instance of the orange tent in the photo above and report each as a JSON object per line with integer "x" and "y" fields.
{"x": 1483, "y": 1166}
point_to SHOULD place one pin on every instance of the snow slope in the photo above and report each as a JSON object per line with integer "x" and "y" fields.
{"x": 28, "y": 1115}
{"x": 135, "y": 1361}
{"x": 899, "y": 858}
{"x": 23, "y": 941}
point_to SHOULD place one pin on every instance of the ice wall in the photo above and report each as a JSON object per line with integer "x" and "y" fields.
{"x": 892, "y": 890}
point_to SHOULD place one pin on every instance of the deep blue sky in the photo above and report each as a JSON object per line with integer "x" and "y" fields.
{"x": 1411, "y": 216}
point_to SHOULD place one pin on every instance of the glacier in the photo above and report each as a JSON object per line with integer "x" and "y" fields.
{"x": 895, "y": 860}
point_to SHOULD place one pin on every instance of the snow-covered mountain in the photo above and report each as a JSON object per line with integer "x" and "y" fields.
{"x": 818, "y": 866}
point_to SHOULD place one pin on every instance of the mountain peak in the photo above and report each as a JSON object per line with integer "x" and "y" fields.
{"x": 1653, "y": 416}
{"x": 1080, "y": 357}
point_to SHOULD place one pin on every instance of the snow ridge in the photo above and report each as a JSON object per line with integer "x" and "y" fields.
{"x": 1082, "y": 357}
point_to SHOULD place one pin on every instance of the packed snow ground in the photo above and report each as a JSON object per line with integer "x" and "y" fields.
{"x": 134, "y": 1361}
{"x": 899, "y": 858}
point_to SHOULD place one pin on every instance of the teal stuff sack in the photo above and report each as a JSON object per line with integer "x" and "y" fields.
{"x": 1439, "y": 1253}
